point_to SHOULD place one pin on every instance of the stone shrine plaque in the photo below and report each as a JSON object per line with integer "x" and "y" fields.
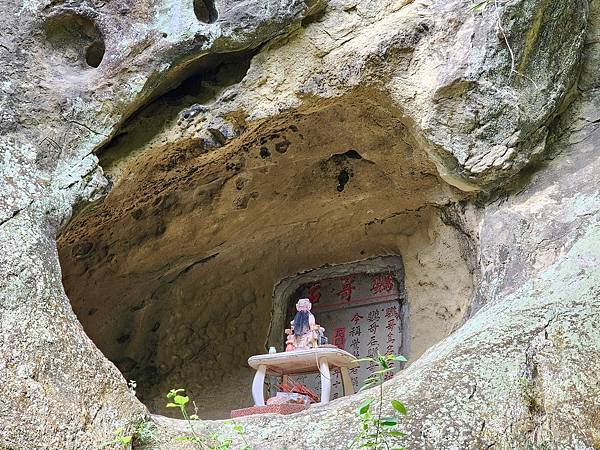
{"x": 361, "y": 313}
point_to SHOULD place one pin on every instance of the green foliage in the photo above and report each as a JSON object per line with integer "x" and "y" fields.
{"x": 144, "y": 435}
{"x": 120, "y": 439}
{"x": 378, "y": 431}
{"x": 212, "y": 442}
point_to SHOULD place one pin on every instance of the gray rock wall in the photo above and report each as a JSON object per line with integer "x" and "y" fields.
{"x": 515, "y": 134}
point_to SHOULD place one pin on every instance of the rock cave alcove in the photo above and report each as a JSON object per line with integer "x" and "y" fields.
{"x": 75, "y": 41}
{"x": 185, "y": 268}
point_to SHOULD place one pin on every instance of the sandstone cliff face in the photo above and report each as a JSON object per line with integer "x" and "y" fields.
{"x": 171, "y": 162}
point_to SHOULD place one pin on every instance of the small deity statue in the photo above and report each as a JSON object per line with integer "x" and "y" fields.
{"x": 304, "y": 332}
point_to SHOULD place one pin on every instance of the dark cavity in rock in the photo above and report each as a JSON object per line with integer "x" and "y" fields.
{"x": 94, "y": 54}
{"x": 281, "y": 147}
{"x": 264, "y": 152}
{"x": 343, "y": 178}
{"x": 205, "y": 11}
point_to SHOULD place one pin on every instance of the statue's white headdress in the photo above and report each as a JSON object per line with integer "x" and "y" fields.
{"x": 304, "y": 303}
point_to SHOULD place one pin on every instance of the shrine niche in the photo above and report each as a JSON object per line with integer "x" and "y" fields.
{"x": 178, "y": 280}
{"x": 362, "y": 307}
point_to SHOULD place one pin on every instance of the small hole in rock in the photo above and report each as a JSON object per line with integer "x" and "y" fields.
{"x": 343, "y": 178}
{"x": 205, "y": 11}
{"x": 281, "y": 147}
{"x": 94, "y": 54}
{"x": 264, "y": 152}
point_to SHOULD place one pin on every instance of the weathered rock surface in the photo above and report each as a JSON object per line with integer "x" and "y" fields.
{"x": 469, "y": 147}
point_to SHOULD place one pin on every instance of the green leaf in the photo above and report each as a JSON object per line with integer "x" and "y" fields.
{"x": 371, "y": 379}
{"x": 396, "y": 433}
{"x": 194, "y": 417}
{"x": 382, "y": 362}
{"x": 173, "y": 392}
{"x": 126, "y": 439}
{"x": 364, "y": 406}
{"x": 172, "y": 405}
{"x": 181, "y": 400}
{"x": 398, "y": 406}
{"x": 388, "y": 422}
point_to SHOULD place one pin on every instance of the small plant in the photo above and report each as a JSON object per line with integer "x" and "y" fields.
{"x": 212, "y": 442}
{"x": 120, "y": 439}
{"x": 144, "y": 435}
{"x": 377, "y": 432}
{"x": 181, "y": 401}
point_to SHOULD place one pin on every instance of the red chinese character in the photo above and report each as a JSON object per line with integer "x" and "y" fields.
{"x": 356, "y": 318}
{"x": 339, "y": 337}
{"x": 392, "y": 311}
{"x": 391, "y": 324}
{"x": 382, "y": 283}
{"x": 313, "y": 293}
{"x": 346, "y": 292}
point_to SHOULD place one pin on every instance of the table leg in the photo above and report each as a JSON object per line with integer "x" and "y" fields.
{"x": 347, "y": 381}
{"x": 258, "y": 386}
{"x": 284, "y": 379}
{"x": 325, "y": 380}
